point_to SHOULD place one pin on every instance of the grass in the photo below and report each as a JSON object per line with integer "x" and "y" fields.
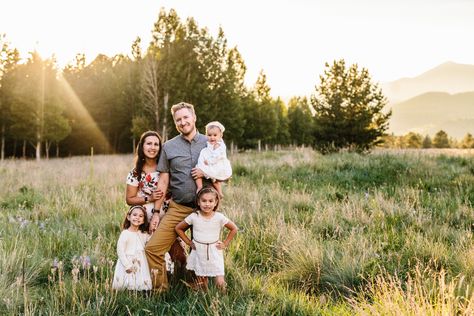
{"x": 385, "y": 233}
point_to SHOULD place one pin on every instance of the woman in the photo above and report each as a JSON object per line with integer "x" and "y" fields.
{"x": 142, "y": 180}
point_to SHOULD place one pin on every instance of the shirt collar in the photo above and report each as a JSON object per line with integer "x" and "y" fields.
{"x": 195, "y": 138}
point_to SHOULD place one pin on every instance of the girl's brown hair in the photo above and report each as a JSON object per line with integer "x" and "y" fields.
{"x": 208, "y": 189}
{"x": 143, "y": 227}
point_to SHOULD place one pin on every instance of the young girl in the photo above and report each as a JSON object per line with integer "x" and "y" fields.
{"x": 213, "y": 159}
{"x": 131, "y": 271}
{"x": 206, "y": 257}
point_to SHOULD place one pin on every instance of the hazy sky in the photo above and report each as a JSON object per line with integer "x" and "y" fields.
{"x": 289, "y": 39}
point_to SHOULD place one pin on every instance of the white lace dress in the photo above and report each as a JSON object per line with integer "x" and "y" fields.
{"x": 218, "y": 166}
{"x": 131, "y": 255}
{"x": 206, "y": 260}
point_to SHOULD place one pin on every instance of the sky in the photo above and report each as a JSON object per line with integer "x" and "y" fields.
{"x": 290, "y": 40}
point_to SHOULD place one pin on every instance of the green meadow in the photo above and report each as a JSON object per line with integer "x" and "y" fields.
{"x": 388, "y": 233}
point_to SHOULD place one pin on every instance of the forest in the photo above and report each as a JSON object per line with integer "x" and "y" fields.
{"x": 103, "y": 106}
{"x": 108, "y": 102}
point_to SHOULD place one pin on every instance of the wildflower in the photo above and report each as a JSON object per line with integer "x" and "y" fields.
{"x": 55, "y": 263}
{"x": 41, "y": 225}
{"x": 85, "y": 261}
{"x": 24, "y": 223}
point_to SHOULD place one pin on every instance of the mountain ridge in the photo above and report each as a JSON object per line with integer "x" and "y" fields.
{"x": 432, "y": 111}
{"x": 447, "y": 77}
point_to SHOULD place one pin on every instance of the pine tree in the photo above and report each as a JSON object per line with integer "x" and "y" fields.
{"x": 282, "y": 136}
{"x": 413, "y": 140}
{"x": 348, "y": 109}
{"x": 441, "y": 140}
{"x": 260, "y": 114}
{"x": 467, "y": 141}
{"x": 427, "y": 142}
{"x": 300, "y": 123}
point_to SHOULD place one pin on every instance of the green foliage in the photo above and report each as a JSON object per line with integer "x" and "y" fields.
{"x": 25, "y": 199}
{"x": 427, "y": 142}
{"x": 467, "y": 141}
{"x": 300, "y": 123}
{"x": 441, "y": 140}
{"x": 9, "y": 58}
{"x": 184, "y": 62}
{"x": 140, "y": 124}
{"x": 261, "y": 115}
{"x": 413, "y": 140}
{"x": 282, "y": 136}
{"x": 36, "y": 104}
{"x": 348, "y": 109}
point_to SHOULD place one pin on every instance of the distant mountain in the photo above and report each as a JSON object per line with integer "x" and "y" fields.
{"x": 430, "y": 112}
{"x": 448, "y": 77}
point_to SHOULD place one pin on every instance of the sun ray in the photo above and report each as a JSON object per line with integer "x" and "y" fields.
{"x": 84, "y": 114}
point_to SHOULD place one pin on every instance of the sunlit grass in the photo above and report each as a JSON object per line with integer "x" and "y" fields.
{"x": 340, "y": 234}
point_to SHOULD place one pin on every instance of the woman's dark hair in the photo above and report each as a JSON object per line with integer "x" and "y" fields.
{"x": 143, "y": 227}
{"x": 140, "y": 156}
{"x": 208, "y": 189}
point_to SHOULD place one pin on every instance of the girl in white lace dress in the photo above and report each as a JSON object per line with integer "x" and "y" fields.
{"x": 213, "y": 160}
{"x": 131, "y": 271}
{"x": 206, "y": 258}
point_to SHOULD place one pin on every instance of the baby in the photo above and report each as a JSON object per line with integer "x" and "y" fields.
{"x": 213, "y": 160}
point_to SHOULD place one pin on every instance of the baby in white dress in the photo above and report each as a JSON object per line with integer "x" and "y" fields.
{"x": 206, "y": 258}
{"x": 213, "y": 160}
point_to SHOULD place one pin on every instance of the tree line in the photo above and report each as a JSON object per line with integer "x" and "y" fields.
{"x": 416, "y": 140}
{"x": 107, "y": 103}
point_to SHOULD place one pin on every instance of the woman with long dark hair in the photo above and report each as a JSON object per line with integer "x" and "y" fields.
{"x": 142, "y": 180}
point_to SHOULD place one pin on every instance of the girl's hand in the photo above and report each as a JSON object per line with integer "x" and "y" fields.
{"x": 220, "y": 245}
{"x": 192, "y": 245}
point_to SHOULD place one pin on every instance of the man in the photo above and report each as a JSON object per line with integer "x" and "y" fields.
{"x": 177, "y": 163}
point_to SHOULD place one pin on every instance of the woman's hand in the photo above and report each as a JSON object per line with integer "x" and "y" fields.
{"x": 155, "y": 220}
{"x": 156, "y": 195}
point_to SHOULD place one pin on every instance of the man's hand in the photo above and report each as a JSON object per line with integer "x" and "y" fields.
{"x": 197, "y": 173}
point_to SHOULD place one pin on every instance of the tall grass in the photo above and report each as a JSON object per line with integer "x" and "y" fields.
{"x": 339, "y": 234}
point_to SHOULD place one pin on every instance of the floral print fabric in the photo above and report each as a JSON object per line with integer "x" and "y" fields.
{"x": 146, "y": 183}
